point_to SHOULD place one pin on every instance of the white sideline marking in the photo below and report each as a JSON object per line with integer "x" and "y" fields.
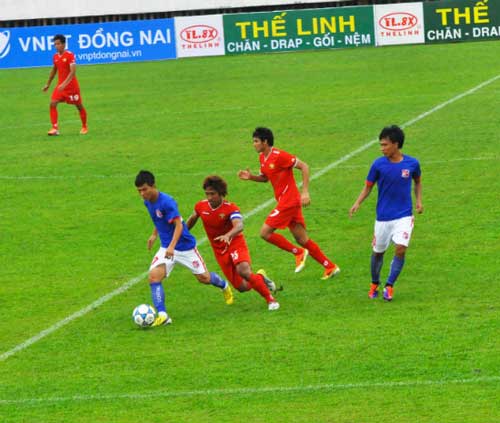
{"x": 246, "y": 391}
{"x": 252, "y": 212}
{"x": 224, "y": 172}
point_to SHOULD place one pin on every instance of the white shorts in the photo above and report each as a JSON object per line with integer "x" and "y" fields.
{"x": 398, "y": 231}
{"x": 191, "y": 259}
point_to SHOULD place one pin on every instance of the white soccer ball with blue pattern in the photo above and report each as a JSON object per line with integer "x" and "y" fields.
{"x": 144, "y": 315}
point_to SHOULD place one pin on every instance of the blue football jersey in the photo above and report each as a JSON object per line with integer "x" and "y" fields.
{"x": 394, "y": 186}
{"x": 163, "y": 212}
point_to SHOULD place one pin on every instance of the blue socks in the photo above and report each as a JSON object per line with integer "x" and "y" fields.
{"x": 217, "y": 281}
{"x": 158, "y": 296}
{"x": 376, "y": 266}
{"x": 396, "y": 267}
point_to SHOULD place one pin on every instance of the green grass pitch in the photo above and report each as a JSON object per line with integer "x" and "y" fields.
{"x": 73, "y": 229}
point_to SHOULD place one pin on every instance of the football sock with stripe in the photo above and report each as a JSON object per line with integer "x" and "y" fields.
{"x": 317, "y": 254}
{"x": 158, "y": 296}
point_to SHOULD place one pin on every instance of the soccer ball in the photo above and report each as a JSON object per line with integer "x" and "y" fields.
{"x": 144, "y": 315}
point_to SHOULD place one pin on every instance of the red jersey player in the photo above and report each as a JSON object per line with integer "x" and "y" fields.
{"x": 223, "y": 224}
{"x": 67, "y": 89}
{"x": 277, "y": 167}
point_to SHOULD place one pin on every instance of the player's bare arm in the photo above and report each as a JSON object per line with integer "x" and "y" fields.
{"x": 246, "y": 175}
{"x": 236, "y": 229}
{"x": 72, "y": 72}
{"x": 362, "y": 196}
{"x": 169, "y": 253}
{"x": 52, "y": 73}
{"x": 304, "y": 168}
{"x": 192, "y": 220}
{"x": 152, "y": 239}
{"x": 418, "y": 196}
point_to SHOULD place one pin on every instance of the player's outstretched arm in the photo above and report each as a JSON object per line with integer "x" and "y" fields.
{"x": 362, "y": 196}
{"x": 246, "y": 175}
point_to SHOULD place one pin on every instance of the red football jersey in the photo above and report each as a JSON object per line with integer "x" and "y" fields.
{"x": 217, "y": 221}
{"x": 278, "y": 168}
{"x": 62, "y": 62}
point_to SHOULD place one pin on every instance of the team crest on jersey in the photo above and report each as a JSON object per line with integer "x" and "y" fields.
{"x": 222, "y": 215}
{"x": 159, "y": 214}
{"x": 405, "y": 173}
{"x": 271, "y": 166}
{"x": 196, "y": 264}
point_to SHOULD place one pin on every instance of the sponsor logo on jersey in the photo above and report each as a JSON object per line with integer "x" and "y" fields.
{"x": 405, "y": 173}
{"x": 159, "y": 214}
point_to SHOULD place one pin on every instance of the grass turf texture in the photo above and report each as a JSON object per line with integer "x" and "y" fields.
{"x": 73, "y": 228}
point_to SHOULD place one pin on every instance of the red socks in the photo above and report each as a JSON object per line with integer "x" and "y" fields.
{"x": 257, "y": 282}
{"x": 281, "y": 242}
{"x": 317, "y": 254}
{"x": 83, "y": 117}
{"x": 53, "y": 116}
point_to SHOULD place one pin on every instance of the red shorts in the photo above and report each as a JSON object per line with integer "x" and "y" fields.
{"x": 237, "y": 253}
{"x": 285, "y": 218}
{"x": 70, "y": 95}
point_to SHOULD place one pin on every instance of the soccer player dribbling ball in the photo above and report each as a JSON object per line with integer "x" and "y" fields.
{"x": 177, "y": 246}
{"x": 393, "y": 175}
{"x": 67, "y": 89}
{"x": 277, "y": 167}
{"x": 223, "y": 224}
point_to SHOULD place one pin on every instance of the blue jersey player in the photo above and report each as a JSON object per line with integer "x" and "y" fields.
{"x": 177, "y": 246}
{"x": 393, "y": 175}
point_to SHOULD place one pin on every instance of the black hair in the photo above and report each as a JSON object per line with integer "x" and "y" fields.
{"x": 217, "y": 183}
{"x": 144, "y": 177}
{"x": 394, "y": 134}
{"x": 59, "y": 37}
{"x": 264, "y": 134}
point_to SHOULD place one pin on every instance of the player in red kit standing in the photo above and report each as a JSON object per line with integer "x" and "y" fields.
{"x": 277, "y": 167}
{"x": 223, "y": 224}
{"x": 67, "y": 90}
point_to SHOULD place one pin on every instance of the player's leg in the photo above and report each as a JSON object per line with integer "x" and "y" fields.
{"x": 280, "y": 219}
{"x": 381, "y": 240}
{"x": 229, "y": 270}
{"x": 401, "y": 237}
{"x": 299, "y": 232}
{"x": 83, "y": 117}
{"x": 193, "y": 260}
{"x": 159, "y": 270}
{"x": 54, "y": 130}
{"x": 257, "y": 281}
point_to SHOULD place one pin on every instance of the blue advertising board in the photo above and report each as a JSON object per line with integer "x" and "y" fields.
{"x": 127, "y": 41}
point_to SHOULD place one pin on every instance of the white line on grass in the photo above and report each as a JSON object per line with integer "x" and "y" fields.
{"x": 219, "y": 172}
{"x": 252, "y": 212}
{"x": 248, "y": 391}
